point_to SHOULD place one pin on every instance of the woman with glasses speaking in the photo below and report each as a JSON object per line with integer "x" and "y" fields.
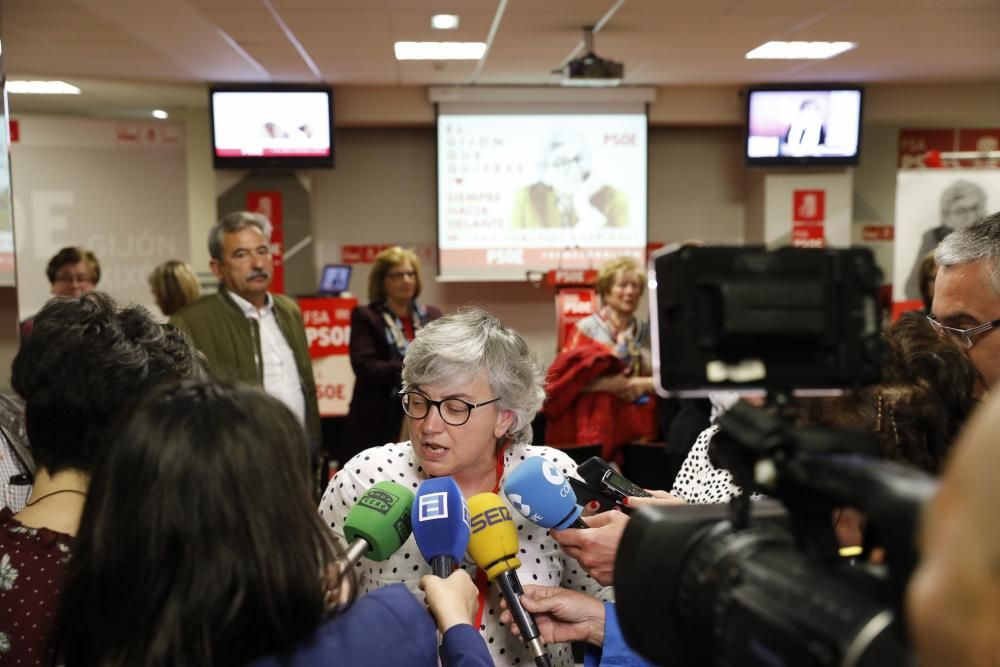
{"x": 471, "y": 387}
{"x": 380, "y": 334}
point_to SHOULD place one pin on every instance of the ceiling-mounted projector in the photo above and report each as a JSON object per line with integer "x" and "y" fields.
{"x": 591, "y": 69}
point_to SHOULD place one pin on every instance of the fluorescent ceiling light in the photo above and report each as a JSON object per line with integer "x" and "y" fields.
{"x": 444, "y": 21}
{"x": 161, "y": 114}
{"x": 800, "y": 50}
{"x": 42, "y": 88}
{"x": 439, "y": 50}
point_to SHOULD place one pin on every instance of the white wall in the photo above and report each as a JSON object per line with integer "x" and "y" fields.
{"x": 115, "y": 187}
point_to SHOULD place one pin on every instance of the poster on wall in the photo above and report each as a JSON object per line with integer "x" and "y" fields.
{"x": 929, "y": 205}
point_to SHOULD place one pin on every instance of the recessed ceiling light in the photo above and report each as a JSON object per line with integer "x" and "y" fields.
{"x": 800, "y": 50}
{"x": 161, "y": 114}
{"x": 444, "y": 21}
{"x": 439, "y": 50}
{"x": 42, "y": 88}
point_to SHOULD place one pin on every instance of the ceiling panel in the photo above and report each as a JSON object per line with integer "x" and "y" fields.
{"x": 660, "y": 42}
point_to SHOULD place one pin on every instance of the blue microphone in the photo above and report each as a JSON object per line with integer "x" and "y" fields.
{"x": 542, "y": 494}
{"x": 440, "y": 520}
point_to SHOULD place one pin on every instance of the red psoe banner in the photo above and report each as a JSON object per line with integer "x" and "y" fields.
{"x": 572, "y": 305}
{"x": 328, "y": 331}
{"x": 808, "y": 216}
{"x": 268, "y": 204}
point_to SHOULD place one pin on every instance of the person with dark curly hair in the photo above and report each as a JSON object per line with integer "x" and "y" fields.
{"x": 82, "y": 367}
{"x": 929, "y": 388}
{"x": 200, "y": 546}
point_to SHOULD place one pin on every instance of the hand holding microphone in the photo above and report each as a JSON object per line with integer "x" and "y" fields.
{"x": 493, "y": 545}
{"x": 440, "y": 520}
{"x": 543, "y": 495}
{"x": 378, "y": 524}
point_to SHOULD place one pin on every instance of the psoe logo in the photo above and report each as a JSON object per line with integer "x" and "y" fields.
{"x": 492, "y": 516}
{"x": 433, "y": 506}
{"x": 379, "y": 500}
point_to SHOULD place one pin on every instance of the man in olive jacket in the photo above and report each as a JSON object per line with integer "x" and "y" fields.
{"x": 246, "y": 332}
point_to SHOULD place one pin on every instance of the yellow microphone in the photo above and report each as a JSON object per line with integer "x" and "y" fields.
{"x": 493, "y": 545}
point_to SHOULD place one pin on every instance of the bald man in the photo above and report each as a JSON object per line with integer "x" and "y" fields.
{"x": 954, "y": 597}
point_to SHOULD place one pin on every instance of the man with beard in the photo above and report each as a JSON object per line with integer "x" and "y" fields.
{"x": 245, "y": 331}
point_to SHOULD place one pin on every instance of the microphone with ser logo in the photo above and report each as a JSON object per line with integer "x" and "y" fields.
{"x": 493, "y": 546}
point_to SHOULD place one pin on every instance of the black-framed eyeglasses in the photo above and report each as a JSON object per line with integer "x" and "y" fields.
{"x": 964, "y": 337}
{"x": 454, "y": 411}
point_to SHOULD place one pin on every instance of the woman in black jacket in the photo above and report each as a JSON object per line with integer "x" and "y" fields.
{"x": 380, "y": 334}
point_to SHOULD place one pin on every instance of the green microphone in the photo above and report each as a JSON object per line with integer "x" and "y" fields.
{"x": 379, "y": 524}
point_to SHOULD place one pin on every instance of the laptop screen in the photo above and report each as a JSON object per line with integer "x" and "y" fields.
{"x": 335, "y": 279}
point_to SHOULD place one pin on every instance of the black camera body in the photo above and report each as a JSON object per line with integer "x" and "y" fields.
{"x": 762, "y": 582}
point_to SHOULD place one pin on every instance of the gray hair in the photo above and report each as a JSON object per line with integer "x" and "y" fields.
{"x": 235, "y": 222}
{"x": 458, "y": 346}
{"x": 980, "y": 240}
{"x": 961, "y": 189}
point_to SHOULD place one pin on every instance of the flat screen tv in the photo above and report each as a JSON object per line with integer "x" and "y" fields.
{"x": 272, "y": 126}
{"x": 803, "y": 125}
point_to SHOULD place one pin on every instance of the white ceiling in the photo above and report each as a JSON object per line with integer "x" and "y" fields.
{"x": 173, "y": 47}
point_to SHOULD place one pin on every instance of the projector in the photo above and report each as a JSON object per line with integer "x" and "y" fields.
{"x": 592, "y": 70}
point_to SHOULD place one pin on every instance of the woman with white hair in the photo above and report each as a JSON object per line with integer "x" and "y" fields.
{"x": 471, "y": 387}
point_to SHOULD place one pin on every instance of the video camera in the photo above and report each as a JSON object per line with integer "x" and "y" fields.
{"x": 762, "y": 582}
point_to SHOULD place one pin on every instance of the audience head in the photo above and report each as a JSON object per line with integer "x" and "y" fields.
{"x": 240, "y": 246}
{"x": 967, "y": 291}
{"x": 927, "y": 392}
{"x": 84, "y": 362}
{"x": 954, "y": 596}
{"x": 73, "y": 271}
{"x": 200, "y": 543}
{"x": 471, "y": 356}
{"x": 926, "y": 273}
{"x": 620, "y": 284}
{"x": 175, "y": 285}
{"x": 962, "y": 203}
{"x": 395, "y": 276}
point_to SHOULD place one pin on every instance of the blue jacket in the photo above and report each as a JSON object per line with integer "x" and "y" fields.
{"x": 387, "y": 627}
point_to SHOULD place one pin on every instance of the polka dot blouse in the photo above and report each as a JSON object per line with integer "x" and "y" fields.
{"x": 542, "y": 561}
{"x": 32, "y": 569}
{"x": 699, "y": 482}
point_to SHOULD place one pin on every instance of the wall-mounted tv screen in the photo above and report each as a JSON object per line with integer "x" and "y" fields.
{"x": 534, "y": 191}
{"x": 272, "y": 126}
{"x": 803, "y": 125}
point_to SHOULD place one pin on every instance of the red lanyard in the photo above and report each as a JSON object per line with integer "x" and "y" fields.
{"x": 482, "y": 583}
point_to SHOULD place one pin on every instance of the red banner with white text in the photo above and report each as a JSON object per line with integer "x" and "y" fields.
{"x": 328, "y": 331}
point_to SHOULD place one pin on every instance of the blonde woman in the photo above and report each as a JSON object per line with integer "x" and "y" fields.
{"x": 175, "y": 285}
{"x": 380, "y": 335}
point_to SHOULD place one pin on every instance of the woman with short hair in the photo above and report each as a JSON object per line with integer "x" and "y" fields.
{"x": 380, "y": 335}
{"x": 174, "y": 285}
{"x": 471, "y": 387}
